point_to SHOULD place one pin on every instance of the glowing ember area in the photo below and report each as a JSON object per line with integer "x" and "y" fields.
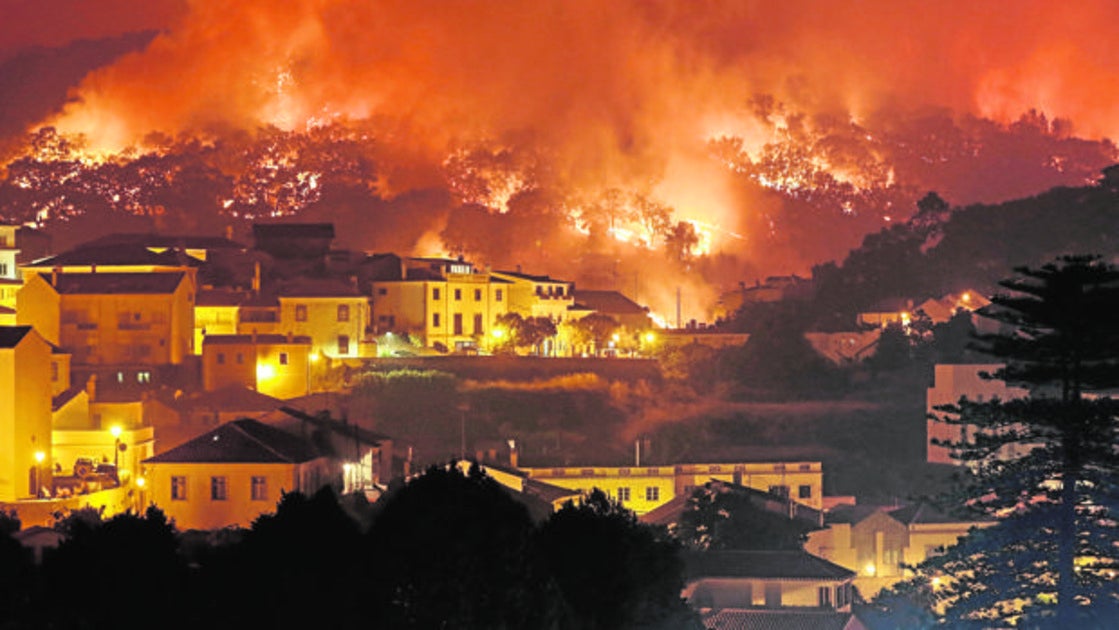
{"x": 596, "y": 141}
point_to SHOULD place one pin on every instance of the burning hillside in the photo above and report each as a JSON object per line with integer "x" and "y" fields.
{"x": 612, "y": 143}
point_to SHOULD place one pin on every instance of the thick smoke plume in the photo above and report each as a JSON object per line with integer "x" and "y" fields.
{"x": 724, "y": 113}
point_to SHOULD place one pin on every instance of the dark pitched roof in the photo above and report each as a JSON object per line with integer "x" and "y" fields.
{"x": 232, "y": 398}
{"x": 115, "y": 283}
{"x": 10, "y": 336}
{"x": 526, "y": 276}
{"x": 59, "y": 401}
{"x": 789, "y": 565}
{"x": 293, "y": 230}
{"x": 124, "y": 255}
{"x": 241, "y": 441}
{"x": 608, "y": 302}
{"x": 225, "y": 340}
{"x": 4, "y": 310}
{"x": 150, "y": 239}
{"x": 760, "y": 619}
{"x": 921, "y": 514}
{"x": 324, "y": 421}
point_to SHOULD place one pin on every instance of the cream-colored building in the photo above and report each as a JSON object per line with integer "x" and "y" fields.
{"x": 230, "y": 476}
{"x": 216, "y": 312}
{"x": 274, "y": 365}
{"x": 445, "y": 303}
{"x": 877, "y": 543}
{"x": 113, "y": 318}
{"x": 25, "y": 413}
{"x": 333, "y": 316}
{"x": 10, "y": 278}
{"x": 537, "y": 296}
{"x": 645, "y": 488}
{"x": 951, "y": 382}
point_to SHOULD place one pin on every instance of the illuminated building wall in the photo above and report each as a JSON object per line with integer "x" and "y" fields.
{"x": 274, "y": 365}
{"x": 10, "y": 279}
{"x": 335, "y": 324}
{"x": 644, "y": 488}
{"x": 25, "y": 413}
{"x": 216, "y": 312}
{"x": 457, "y": 310}
{"x": 114, "y": 318}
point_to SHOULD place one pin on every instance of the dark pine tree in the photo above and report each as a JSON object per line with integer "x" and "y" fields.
{"x": 1044, "y": 465}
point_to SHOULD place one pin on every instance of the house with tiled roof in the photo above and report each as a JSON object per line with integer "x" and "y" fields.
{"x": 231, "y": 475}
{"x": 332, "y": 312}
{"x": 113, "y": 318}
{"x": 878, "y": 542}
{"x": 768, "y": 589}
{"x": 448, "y": 304}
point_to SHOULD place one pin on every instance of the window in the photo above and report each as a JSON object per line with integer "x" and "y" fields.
{"x": 120, "y": 377}
{"x": 343, "y": 344}
{"x": 823, "y": 597}
{"x": 384, "y": 291}
{"x": 652, "y": 493}
{"x": 3, "y": 269}
{"x": 458, "y": 323}
{"x": 300, "y": 312}
{"x": 435, "y": 294}
{"x": 804, "y": 492}
{"x": 178, "y": 489}
{"x": 343, "y": 312}
{"x": 781, "y": 491}
{"x": 240, "y": 358}
{"x": 260, "y": 489}
{"x": 477, "y": 295}
{"x": 478, "y": 324}
{"x": 500, "y": 293}
{"x": 435, "y": 320}
{"x": 458, "y": 295}
{"x": 283, "y": 358}
{"x": 623, "y": 494}
{"x": 217, "y": 489}
{"x": 143, "y": 376}
{"x": 221, "y": 358}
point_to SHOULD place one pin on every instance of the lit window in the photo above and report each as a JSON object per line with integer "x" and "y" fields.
{"x": 300, "y": 312}
{"x": 623, "y": 494}
{"x": 343, "y": 312}
{"x": 283, "y": 358}
{"x": 260, "y": 489}
{"x": 343, "y": 344}
{"x": 178, "y": 488}
{"x": 652, "y": 493}
{"x": 143, "y": 376}
{"x": 217, "y": 489}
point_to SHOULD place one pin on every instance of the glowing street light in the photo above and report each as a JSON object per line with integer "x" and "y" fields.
{"x": 650, "y": 337}
{"x": 39, "y": 457}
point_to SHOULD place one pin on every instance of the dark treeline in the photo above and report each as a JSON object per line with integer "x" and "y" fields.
{"x": 445, "y": 550}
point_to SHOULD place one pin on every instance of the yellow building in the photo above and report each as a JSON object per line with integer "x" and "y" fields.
{"x": 445, "y": 303}
{"x": 274, "y": 365}
{"x": 25, "y": 413}
{"x": 10, "y": 280}
{"x": 233, "y": 474}
{"x": 332, "y": 314}
{"x": 113, "y": 318}
{"x": 538, "y": 296}
{"x": 645, "y": 488}
{"x": 216, "y": 312}
{"x": 876, "y": 542}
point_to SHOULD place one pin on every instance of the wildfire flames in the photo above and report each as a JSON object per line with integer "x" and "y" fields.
{"x": 633, "y": 145}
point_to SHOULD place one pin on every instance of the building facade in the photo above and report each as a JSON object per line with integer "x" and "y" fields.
{"x": 25, "y": 413}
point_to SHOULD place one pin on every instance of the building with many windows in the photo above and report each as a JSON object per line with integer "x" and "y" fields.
{"x": 113, "y": 318}
{"x": 333, "y": 314}
{"x": 645, "y": 488}
{"x": 447, "y": 304}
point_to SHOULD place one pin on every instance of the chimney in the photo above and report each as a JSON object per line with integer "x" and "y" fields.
{"x": 54, "y": 276}
{"x": 91, "y": 387}
{"x": 514, "y": 455}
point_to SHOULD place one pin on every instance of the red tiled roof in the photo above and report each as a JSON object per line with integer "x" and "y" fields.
{"x": 609, "y": 302}
{"x": 240, "y": 441}
{"x": 743, "y": 619}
